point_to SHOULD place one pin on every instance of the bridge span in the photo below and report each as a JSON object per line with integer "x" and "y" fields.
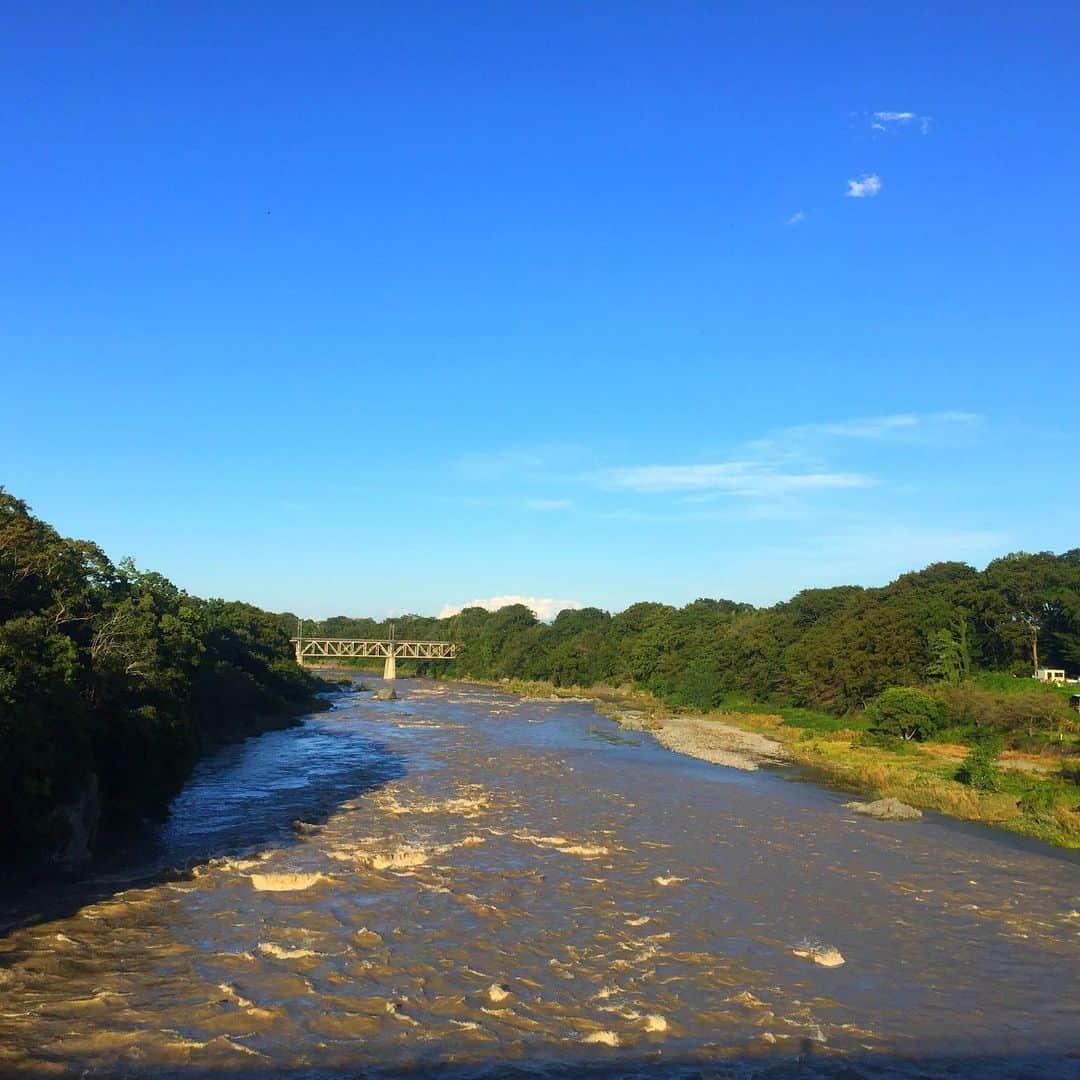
{"x": 309, "y": 651}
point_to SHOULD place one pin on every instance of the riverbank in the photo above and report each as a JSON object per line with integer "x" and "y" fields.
{"x": 1030, "y": 800}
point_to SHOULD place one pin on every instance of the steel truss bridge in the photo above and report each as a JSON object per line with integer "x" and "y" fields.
{"x": 315, "y": 651}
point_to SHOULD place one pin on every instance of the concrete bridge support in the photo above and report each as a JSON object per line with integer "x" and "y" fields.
{"x": 390, "y": 667}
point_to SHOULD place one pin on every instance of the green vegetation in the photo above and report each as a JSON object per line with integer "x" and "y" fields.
{"x": 948, "y": 627}
{"x": 979, "y": 769}
{"x": 112, "y": 682}
{"x": 903, "y": 712}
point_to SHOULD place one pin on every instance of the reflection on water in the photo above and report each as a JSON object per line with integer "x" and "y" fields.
{"x": 612, "y": 734}
{"x": 534, "y": 889}
{"x": 252, "y": 793}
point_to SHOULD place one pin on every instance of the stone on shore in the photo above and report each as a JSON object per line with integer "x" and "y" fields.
{"x": 885, "y": 810}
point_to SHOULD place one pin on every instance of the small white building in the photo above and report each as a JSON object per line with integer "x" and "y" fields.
{"x": 1051, "y": 675}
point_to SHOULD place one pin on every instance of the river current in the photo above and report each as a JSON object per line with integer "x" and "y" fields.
{"x": 467, "y": 881}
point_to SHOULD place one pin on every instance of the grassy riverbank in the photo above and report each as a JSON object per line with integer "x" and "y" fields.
{"x": 1033, "y": 797}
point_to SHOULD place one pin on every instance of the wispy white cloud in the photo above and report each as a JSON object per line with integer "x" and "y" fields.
{"x": 870, "y": 427}
{"x": 790, "y": 462}
{"x": 545, "y": 607}
{"x": 897, "y": 425}
{"x": 805, "y": 443}
{"x": 865, "y": 187}
{"x": 796, "y": 219}
{"x": 548, "y": 504}
{"x": 896, "y": 120}
{"x": 731, "y": 477}
{"x": 517, "y": 461}
{"x": 782, "y": 471}
{"x": 954, "y": 416}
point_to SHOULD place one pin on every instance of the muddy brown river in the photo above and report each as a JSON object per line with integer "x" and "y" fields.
{"x": 489, "y": 886}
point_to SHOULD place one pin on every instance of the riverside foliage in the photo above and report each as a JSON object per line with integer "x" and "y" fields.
{"x": 112, "y": 682}
{"x": 968, "y": 638}
{"x": 834, "y": 649}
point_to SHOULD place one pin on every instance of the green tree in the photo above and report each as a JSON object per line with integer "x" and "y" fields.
{"x": 902, "y": 712}
{"x": 951, "y": 657}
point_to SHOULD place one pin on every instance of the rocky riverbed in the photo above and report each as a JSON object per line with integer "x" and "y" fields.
{"x": 707, "y": 740}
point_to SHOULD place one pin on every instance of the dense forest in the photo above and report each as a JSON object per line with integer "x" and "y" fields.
{"x": 834, "y": 649}
{"x": 112, "y": 682}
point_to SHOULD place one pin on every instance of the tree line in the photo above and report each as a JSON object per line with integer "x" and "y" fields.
{"x": 113, "y": 681}
{"x": 943, "y": 628}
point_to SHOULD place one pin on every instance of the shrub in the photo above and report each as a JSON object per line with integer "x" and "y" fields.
{"x": 979, "y": 769}
{"x": 1038, "y": 802}
{"x": 878, "y": 740}
{"x": 905, "y": 713}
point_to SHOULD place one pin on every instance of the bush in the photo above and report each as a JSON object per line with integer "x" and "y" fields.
{"x": 979, "y": 769}
{"x": 905, "y": 713}
{"x": 878, "y": 740}
{"x": 1038, "y": 802}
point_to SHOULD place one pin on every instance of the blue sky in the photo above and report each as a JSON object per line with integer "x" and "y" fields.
{"x": 368, "y": 308}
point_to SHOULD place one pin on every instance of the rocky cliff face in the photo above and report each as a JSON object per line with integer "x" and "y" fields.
{"x": 82, "y": 819}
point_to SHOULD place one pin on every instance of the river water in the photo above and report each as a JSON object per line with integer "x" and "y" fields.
{"x": 494, "y": 886}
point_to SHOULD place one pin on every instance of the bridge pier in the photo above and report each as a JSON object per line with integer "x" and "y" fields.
{"x": 390, "y": 667}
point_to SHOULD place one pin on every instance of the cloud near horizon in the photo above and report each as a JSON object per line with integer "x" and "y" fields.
{"x": 545, "y": 607}
{"x": 732, "y": 477}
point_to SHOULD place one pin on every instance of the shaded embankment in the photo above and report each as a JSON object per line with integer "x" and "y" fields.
{"x": 255, "y": 793}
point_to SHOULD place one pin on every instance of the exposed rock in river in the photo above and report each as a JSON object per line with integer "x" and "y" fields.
{"x": 823, "y": 955}
{"x": 284, "y": 882}
{"x": 387, "y": 693}
{"x": 885, "y": 810}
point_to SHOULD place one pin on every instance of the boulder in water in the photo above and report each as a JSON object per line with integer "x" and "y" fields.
{"x": 387, "y": 693}
{"x": 825, "y": 955}
{"x": 885, "y": 810}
